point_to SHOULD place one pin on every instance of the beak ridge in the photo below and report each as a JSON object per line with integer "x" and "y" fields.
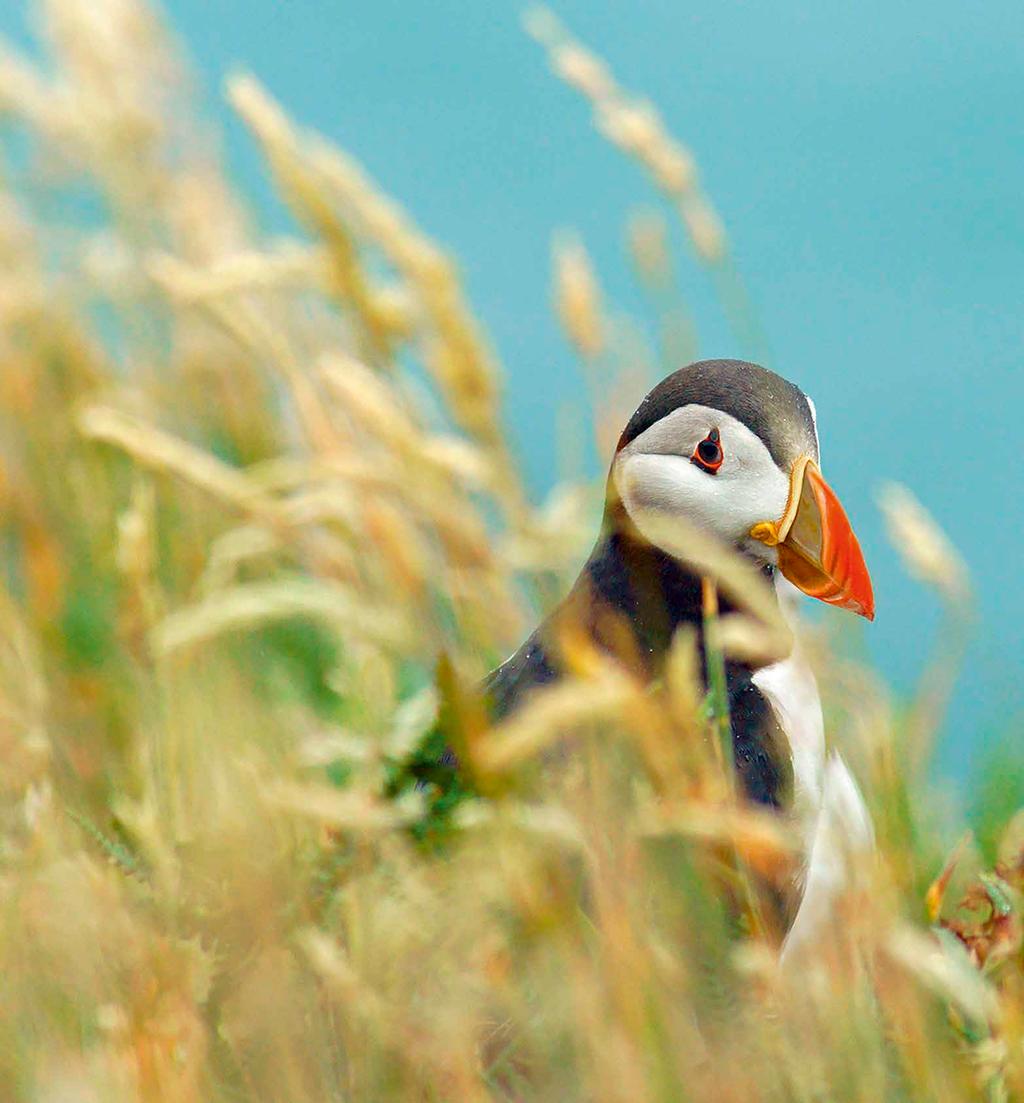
{"x": 818, "y": 551}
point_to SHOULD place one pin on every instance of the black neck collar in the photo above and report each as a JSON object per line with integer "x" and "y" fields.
{"x": 636, "y": 585}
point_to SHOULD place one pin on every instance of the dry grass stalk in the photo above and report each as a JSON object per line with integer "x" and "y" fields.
{"x": 454, "y": 350}
{"x": 925, "y": 548}
{"x": 635, "y": 126}
{"x": 578, "y": 297}
{"x": 256, "y": 603}
{"x": 163, "y": 452}
{"x": 637, "y": 129}
{"x": 550, "y": 715}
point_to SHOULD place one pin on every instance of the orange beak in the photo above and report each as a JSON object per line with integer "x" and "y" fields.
{"x": 818, "y": 552}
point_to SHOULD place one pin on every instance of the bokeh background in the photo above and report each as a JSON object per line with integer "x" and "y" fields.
{"x": 868, "y": 161}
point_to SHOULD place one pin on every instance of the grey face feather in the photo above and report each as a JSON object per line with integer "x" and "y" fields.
{"x": 771, "y": 407}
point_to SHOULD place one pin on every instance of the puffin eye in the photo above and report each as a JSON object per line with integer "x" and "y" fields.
{"x": 708, "y": 455}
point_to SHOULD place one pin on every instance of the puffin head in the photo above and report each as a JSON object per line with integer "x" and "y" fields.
{"x": 733, "y": 448}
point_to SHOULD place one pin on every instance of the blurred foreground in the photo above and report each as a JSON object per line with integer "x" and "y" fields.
{"x": 261, "y": 534}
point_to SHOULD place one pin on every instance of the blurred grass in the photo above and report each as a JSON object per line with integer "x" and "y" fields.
{"x": 261, "y": 534}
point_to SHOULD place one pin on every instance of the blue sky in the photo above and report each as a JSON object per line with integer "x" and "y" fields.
{"x": 868, "y": 161}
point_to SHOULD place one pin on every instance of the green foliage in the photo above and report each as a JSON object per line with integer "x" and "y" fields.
{"x": 997, "y": 793}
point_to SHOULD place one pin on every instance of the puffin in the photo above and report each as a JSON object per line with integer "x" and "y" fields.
{"x": 732, "y": 449}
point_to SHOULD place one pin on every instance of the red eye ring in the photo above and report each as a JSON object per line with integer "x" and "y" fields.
{"x": 708, "y": 455}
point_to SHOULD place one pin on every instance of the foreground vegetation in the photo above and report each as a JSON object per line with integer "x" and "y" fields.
{"x": 261, "y": 535}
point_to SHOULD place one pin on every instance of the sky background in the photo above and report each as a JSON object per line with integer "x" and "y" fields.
{"x": 868, "y": 161}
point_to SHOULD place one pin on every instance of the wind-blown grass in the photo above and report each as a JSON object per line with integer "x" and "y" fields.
{"x": 262, "y": 533}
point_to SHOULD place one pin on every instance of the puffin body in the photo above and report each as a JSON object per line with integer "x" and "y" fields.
{"x": 732, "y": 449}
{"x": 630, "y": 598}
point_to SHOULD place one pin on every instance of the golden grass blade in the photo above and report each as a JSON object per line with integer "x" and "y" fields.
{"x": 635, "y": 127}
{"x": 735, "y": 576}
{"x": 923, "y": 546}
{"x": 549, "y": 716}
{"x": 353, "y": 812}
{"x": 256, "y": 603}
{"x": 578, "y": 297}
{"x": 161, "y": 451}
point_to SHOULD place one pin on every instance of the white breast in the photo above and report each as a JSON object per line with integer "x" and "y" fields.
{"x": 834, "y": 820}
{"x": 792, "y": 692}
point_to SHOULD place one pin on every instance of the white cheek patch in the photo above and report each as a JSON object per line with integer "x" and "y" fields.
{"x": 654, "y": 474}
